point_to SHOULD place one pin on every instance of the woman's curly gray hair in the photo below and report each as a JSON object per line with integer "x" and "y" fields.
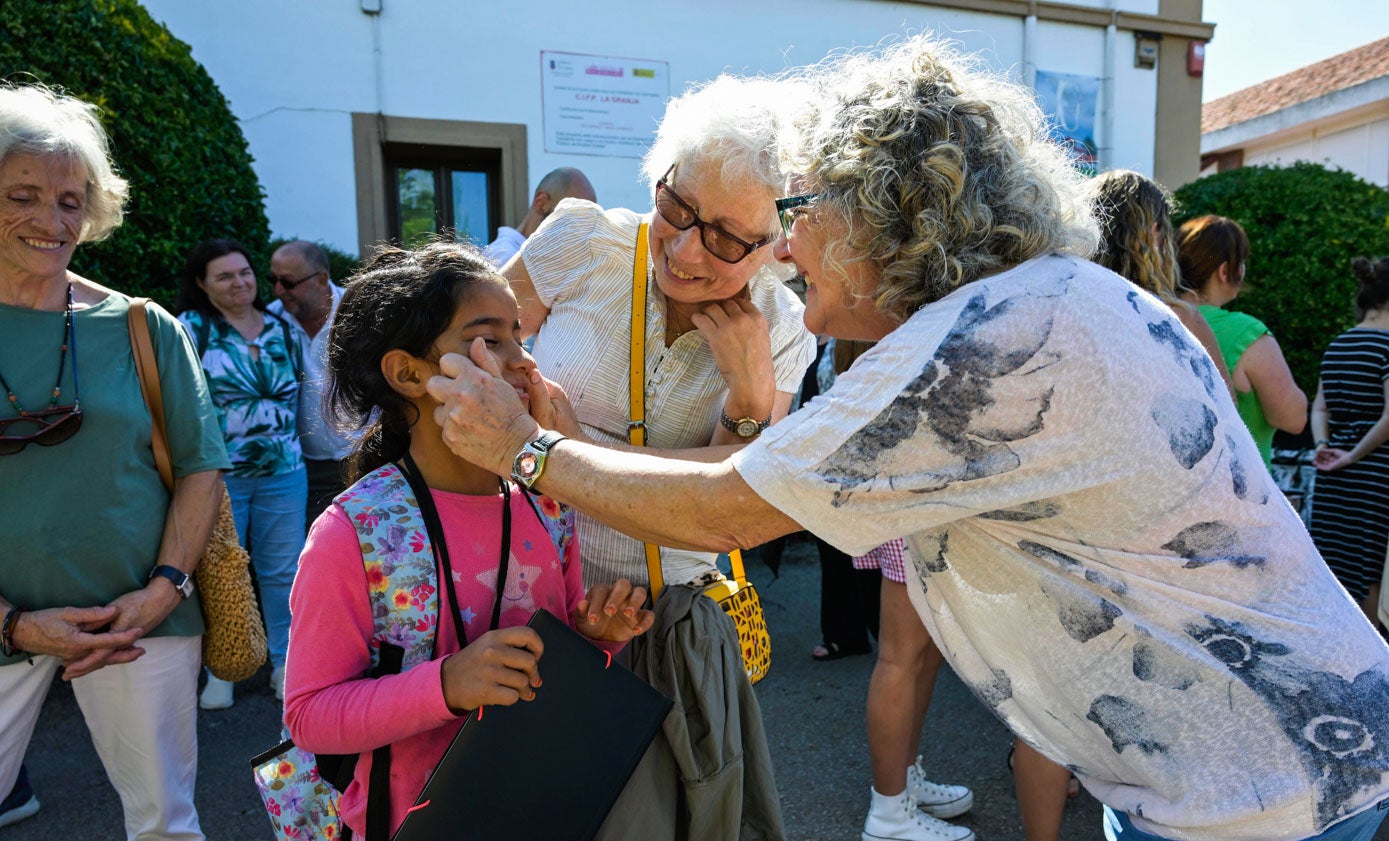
{"x": 36, "y": 120}
{"x": 942, "y": 170}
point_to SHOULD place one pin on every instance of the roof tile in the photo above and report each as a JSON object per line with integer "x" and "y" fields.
{"x": 1339, "y": 72}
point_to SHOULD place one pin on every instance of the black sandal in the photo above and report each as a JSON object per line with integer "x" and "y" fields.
{"x": 831, "y": 651}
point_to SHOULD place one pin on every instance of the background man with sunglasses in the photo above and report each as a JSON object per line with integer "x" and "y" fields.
{"x": 307, "y": 298}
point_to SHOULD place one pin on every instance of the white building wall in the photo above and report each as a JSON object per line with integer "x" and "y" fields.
{"x": 295, "y": 72}
{"x": 1362, "y": 150}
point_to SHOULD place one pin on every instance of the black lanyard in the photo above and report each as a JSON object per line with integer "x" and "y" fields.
{"x": 434, "y": 528}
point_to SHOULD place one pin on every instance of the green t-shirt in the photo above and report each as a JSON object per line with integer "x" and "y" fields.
{"x": 1235, "y": 332}
{"x": 82, "y": 520}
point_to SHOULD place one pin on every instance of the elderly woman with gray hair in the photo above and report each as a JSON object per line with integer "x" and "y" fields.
{"x": 720, "y": 355}
{"x": 94, "y": 574}
{"x": 1110, "y": 567}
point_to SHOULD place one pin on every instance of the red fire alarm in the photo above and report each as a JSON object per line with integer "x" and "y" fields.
{"x": 1195, "y": 58}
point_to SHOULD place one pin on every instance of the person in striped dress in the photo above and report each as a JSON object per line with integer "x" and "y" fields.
{"x": 1350, "y": 419}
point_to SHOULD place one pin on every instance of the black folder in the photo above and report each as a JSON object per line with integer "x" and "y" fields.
{"x": 550, "y": 768}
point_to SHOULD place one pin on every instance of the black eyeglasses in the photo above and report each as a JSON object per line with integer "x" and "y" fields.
{"x": 54, "y": 424}
{"x": 276, "y": 280}
{"x": 678, "y": 213}
{"x": 784, "y": 208}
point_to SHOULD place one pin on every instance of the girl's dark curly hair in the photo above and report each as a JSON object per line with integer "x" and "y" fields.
{"x": 400, "y": 300}
{"x": 1373, "y": 276}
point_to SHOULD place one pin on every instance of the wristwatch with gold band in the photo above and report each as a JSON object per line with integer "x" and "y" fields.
{"x": 744, "y": 427}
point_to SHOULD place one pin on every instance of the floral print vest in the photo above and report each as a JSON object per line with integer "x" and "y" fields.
{"x": 402, "y": 581}
{"x": 402, "y": 577}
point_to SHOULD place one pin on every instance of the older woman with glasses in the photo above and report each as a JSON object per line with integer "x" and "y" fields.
{"x": 1097, "y": 548}
{"x": 94, "y": 574}
{"x": 719, "y": 354}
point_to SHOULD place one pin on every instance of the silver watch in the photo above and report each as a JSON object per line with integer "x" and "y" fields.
{"x": 181, "y": 580}
{"x": 529, "y": 463}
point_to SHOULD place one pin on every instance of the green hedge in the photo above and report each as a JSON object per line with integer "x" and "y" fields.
{"x": 1305, "y": 224}
{"x": 172, "y": 134}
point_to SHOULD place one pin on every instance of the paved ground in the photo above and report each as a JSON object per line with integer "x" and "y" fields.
{"x": 813, "y": 712}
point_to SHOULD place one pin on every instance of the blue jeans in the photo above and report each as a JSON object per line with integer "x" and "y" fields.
{"x": 269, "y": 512}
{"x": 1362, "y": 827}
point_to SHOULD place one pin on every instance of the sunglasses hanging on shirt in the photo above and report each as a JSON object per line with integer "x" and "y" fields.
{"x": 53, "y": 424}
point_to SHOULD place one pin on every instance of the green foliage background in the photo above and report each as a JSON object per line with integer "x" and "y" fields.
{"x": 173, "y": 137}
{"x": 1305, "y": 224}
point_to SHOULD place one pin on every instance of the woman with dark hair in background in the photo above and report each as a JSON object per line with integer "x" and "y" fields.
{"x": 1350, "y": 421}
{"x": 1212, "y": 252}
{"x": 251, "y": 360}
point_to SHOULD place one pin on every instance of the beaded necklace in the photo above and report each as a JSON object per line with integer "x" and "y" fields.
{"x": 69, "y": 339}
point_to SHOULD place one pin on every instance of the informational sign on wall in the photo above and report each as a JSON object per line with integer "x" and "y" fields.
{"x": 1070, "y": 102}
{"x": 601, "y": 105}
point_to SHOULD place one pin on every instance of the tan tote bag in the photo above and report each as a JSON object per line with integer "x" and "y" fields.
{"x": 234, "y": 646}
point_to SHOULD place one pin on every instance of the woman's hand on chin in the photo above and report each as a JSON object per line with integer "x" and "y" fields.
{"x": 741, "y": 344}
{"x": 483, "y": 420}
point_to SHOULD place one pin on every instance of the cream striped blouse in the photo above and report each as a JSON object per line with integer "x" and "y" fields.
{"x": 580, "y": 261}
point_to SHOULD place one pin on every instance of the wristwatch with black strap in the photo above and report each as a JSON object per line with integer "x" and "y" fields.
{"x": 744, "y": 427}
{"x": 182, "y": 581}
{"x": 529, "y": 463}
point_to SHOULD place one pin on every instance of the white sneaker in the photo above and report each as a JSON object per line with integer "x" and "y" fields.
{"x": 216, "y": 695}
{"x": 898, "y": 819}
{"x": 277, "y": 680}
{"x": 936, "y": 799}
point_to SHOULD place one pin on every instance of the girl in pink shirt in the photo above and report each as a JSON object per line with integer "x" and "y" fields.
{"x": 397, "y": 318}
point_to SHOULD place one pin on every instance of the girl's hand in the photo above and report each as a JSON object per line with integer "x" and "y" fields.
{"x": 499, "y": 668}
{"x": 1328, "y": 459}
{"x": 741, "y": 344}
{"x": 613, "y": 613}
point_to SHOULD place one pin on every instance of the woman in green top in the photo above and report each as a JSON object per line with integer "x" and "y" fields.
{"x": 1212, "y": 252}
{"x": 94, "y": 571}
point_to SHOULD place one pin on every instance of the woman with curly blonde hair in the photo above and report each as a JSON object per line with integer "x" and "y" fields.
{"x": 1138, "y": 243}
{"x": 1095, "y": 547}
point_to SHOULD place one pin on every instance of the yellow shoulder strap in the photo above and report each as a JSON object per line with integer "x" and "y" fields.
{"x": 636, "y": 389}
{"x": 636, "y": 399}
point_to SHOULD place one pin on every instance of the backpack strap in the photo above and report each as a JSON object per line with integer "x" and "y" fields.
{"x": 399, "y": 560}
{"x": 379, "y": 785}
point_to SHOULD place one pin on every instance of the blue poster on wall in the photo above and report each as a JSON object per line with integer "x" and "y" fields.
{"x": 1070, "y": 102}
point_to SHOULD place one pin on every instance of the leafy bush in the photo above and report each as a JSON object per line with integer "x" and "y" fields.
{"x": 172, "y": 134}
{"x": 1305, "y": 224}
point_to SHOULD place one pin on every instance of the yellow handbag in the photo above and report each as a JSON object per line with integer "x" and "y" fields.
{"x": 736, "y": 596}
{"x": 234, "y": 640}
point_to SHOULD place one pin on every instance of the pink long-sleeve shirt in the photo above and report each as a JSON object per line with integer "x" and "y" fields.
{"x": 331, "y": 708}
